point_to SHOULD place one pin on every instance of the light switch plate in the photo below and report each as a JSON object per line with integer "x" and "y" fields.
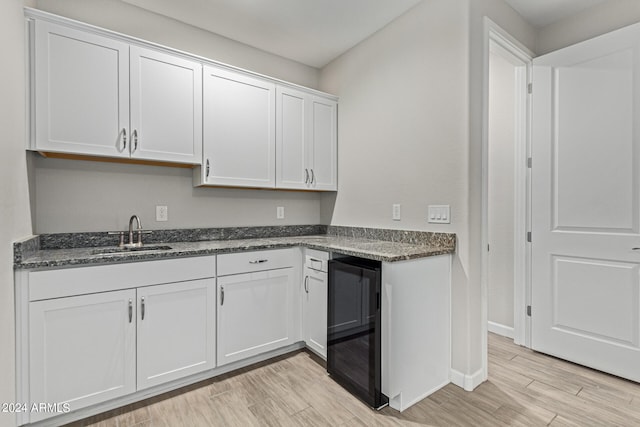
{"x": 439, "y": 214}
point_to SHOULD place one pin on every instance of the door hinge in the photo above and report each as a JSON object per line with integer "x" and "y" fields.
{"x": 529, "y": 310}
{"x": 529, "y": 236}
{"x": 530, "y": 88}
{"x": 529, "y": 162}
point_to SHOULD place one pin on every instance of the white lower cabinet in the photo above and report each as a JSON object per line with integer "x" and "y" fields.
{"x": 92, "y": 334}
{"x": 82, "y": 349}
{"x": 256, "y": 308}
{"x": 314, "y": 302}
{"x": 254, "y": 313}
{"x": 176, "y": 330}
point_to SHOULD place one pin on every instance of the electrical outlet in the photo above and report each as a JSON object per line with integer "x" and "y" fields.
{"x": 280, "y": 212}
{"x": 162, "y": 213}
{"x": 397, "y": 214}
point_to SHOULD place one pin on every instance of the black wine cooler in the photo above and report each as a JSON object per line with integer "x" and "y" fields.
{"x": 354, "y": 328}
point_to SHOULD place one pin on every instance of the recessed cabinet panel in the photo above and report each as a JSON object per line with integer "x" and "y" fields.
{"x": 255, "y": 313}
{"x": 82, "y": 349}
{"x": 81, "y": 92}
{"x": 166, "y": 107}
{"x": 176, "y": 331}
{"x": 314, "y": 308}
{"x": 239, "y": 130}
{"x": 325, "y": 146}
{"x": 291, "y": 139}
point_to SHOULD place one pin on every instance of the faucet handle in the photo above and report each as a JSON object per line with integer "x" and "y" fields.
{"x": 119, "y": 233}
{"x": 140, "y": 232}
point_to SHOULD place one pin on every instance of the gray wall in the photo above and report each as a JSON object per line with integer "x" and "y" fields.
{"x": 410, "y": 116}
{"x": 14, "y": 190}
{"x": 76, "y": 195}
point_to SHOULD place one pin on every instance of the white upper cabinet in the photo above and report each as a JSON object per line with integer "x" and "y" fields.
{"x": 98, "y": 93}
{"x": 239, "y": 130}
{"x": 166, "y": 107}
{"x": 81, "y": 90}
{"x": 306, "y": 141}
{"x": 102, "y": 97}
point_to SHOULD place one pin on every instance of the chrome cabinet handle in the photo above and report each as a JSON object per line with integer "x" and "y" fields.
{"x": 258, "y": 261}
{"x": 124, "y": 138}
{"x": 306, "y": 284}
{"x": 221, "y": 296}
{"x": 207, "y": 177}
{"x": 635, "y": 249}
{"x": 130, "y": 311}
{"x": 315, "y": 260}
{"x": 306, "y": 176}
{"x": 313, "y": 177}
{"x": 142, "y": 307}
{"x": 135, "y": 140}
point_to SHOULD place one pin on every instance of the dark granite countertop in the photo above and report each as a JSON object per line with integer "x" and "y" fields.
{"x": 393, "y": 246}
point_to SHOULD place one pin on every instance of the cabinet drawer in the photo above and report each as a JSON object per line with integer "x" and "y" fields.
{"x": 247, "y": 262}
{"x": 48, "y": 284}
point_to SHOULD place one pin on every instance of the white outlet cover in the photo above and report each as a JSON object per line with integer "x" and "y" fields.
{"x": 396, "y": 212}
{"x": 162, "y": 213}
{"x": 280, "y": 212}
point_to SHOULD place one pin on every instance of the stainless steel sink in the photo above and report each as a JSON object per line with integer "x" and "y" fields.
{"x": 111, "y": 250}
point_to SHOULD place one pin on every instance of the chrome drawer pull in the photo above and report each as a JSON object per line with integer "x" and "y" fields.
{"x": 258, "y": 261}
{"x": 130, "y": 311}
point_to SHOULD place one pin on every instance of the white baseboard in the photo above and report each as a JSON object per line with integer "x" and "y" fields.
{"x": 497, "y": 328}
{"x": 467, "y": 382}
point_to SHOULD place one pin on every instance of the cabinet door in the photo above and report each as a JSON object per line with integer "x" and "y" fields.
{"x": 81, "y": 92}
{"x": 292, "y": 118}
{"x": 239, "y": 130}
{"x": 166, "y": 107}
{"x": 254, "y": 313}
{"x": 176, "y": 331}
{"x": 314, "y": 306}
{"x": 82, "y": 349}
{"x": 324, "y": 141}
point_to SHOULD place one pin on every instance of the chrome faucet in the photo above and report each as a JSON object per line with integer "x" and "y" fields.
{"x": 139, "y": 230}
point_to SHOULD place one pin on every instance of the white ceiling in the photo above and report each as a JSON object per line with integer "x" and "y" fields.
{"x": 540, "y": 13}
{"x": 312, "y": 32}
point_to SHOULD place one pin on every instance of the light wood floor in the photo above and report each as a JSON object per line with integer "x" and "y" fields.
{"x": 524, "y": 389}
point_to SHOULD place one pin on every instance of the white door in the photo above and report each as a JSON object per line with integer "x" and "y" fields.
{"x": 81, "y": 92}
{"x": 586, "y": 203}
{"x": 314, "y": 307}
{"x": 239, "y": 129}
{"x": 323, "y": 135}
{"x": 82, "y": 349}
{"x": 292, "y": 117}
{"x": 255, "y": 313}
{"x": 166, "y": 107}
{"x": 176, "y": 331}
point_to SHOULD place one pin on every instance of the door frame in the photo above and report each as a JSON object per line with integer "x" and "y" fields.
{"x": 494, "y": 35}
